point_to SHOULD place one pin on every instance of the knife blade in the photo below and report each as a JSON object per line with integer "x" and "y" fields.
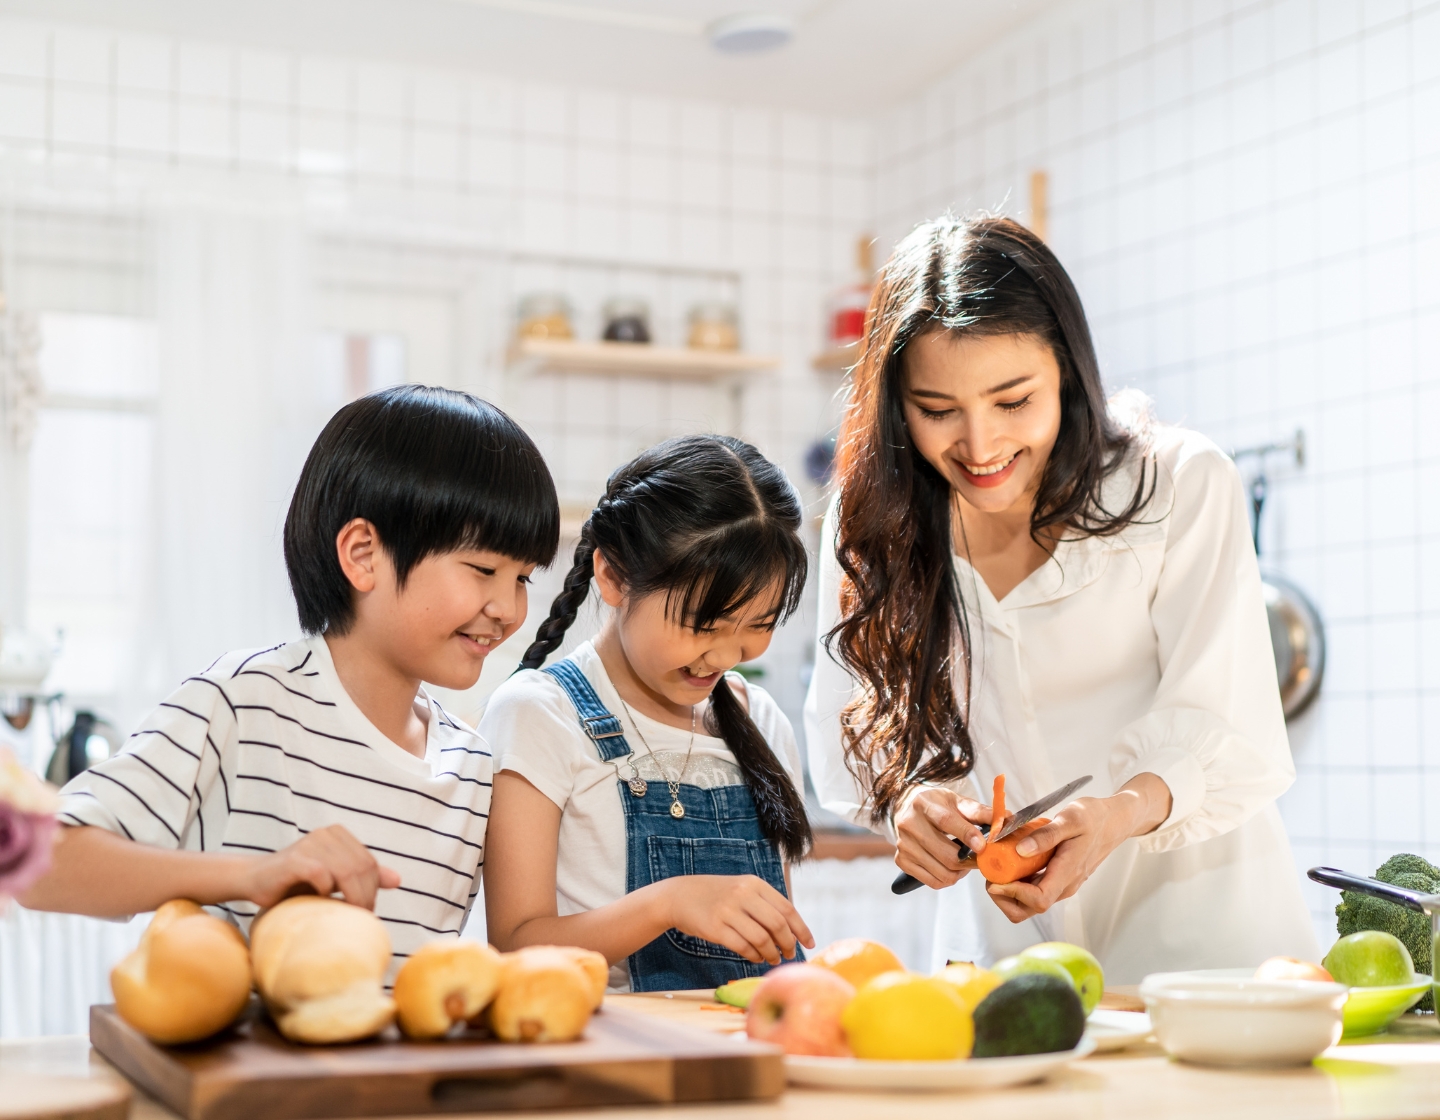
{"x": 1044, "y": 805}
{"x": 905, "y": 883}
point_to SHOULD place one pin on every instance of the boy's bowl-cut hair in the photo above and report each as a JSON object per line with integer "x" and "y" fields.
{"x": 434, "y": 470}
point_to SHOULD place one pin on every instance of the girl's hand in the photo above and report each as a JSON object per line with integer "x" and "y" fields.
{"x": 924, "y": 825}
{"x": 744, "y": 913}
{"x": 329, "y": 859}
{"x": 1082, "y": 835}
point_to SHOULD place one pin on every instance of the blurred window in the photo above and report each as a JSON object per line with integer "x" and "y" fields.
{"x": 91, "y": 519}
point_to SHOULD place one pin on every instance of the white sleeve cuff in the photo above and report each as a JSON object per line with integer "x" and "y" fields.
{"x": 1182, "y": 773}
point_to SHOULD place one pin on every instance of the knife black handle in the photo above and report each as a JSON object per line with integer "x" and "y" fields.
{"x": 905, "y": 882}
{"x": 1414, "y": 900}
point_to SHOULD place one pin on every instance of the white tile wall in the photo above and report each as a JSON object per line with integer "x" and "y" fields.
{"x": 645, "y": 185}
{"x": 775, "y": 199}
{"x": 1245, "y": 195}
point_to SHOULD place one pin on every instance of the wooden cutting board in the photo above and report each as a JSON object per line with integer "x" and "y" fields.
{"x": 625, "y": 1057}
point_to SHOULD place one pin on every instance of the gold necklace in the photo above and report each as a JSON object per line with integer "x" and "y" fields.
{"x": 677, "y": 810}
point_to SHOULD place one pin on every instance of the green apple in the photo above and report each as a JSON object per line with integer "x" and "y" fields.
{"x": 1079, "y": 964}
{"x": 1370, "y": 959}
{"x": 1010, "y": 967}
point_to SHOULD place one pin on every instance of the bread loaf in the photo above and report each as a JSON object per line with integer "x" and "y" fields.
{"x": 188, "y": 978}
{"x": 544, "y": 996}
{"x": 444, "y": 983}
{"x": 320, "y": 964}
{"x": 594, "y": 965}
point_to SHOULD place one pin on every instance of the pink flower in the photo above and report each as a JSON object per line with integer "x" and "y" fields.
{"x": 27, "y": 826}
{"x": 25, "y": 842}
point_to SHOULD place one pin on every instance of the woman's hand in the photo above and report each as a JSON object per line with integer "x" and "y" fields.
{"x": 1082, "y": 835}
{"x": 924, "y": 826}
{"x": 742, "y": 912}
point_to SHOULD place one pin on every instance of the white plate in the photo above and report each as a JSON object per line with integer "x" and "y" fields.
{"x": 1115, "y": 1030}
{"x": 973, "y": 1073}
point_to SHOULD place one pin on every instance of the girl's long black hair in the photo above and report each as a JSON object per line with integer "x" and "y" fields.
{"x": 713, "y": 524}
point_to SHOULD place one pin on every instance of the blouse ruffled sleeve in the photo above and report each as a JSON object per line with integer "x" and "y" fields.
{"x": 1215, "y": 732}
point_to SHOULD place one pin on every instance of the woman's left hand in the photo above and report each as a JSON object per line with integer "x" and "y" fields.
{"x": 1082, "y": 835}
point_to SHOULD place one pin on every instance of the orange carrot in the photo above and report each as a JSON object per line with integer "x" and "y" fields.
{"x": 999, "y": 862}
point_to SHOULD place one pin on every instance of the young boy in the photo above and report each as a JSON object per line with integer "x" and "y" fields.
{"x": 323, "y": 764}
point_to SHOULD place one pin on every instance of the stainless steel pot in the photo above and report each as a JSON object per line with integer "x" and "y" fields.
{"x": 1427, "y": 904}
{"x": 1297, "y": 637}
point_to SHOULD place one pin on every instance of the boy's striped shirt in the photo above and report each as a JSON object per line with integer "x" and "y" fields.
{"x": 266, "y": 746}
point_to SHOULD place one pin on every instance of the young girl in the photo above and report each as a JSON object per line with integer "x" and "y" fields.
{"x": 644, "y": 798}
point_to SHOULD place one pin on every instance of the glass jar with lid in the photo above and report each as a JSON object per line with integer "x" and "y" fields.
{"x": 714, "y": 326}
{"x": 545, "y": 315}
{"x": 626, "y": 319}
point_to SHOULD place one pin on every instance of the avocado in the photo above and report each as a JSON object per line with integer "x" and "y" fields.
{"x": 1032, "y": 1014}
{"x": 737, "y": 993}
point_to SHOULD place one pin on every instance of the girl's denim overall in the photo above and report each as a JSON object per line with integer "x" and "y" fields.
{"x": 718, "y": 835}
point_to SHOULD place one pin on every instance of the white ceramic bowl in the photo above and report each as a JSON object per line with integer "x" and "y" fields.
{"x": 1225, "y": 1017}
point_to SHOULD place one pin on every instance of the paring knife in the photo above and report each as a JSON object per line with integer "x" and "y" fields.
{"x": 905, "y": 883}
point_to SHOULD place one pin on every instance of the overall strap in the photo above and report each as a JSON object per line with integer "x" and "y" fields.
{"x": 595, "y": 719}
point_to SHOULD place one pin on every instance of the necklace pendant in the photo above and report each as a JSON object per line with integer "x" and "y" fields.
{"x": 677, "y": 810}
{"x": 638, "y": 785}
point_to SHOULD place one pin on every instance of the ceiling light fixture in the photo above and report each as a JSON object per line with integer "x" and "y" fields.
{"x": 751, "y": 32}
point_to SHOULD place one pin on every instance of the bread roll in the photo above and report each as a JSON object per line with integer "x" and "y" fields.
{"x": 544, "y": 996}
{"x": 319, "y": 964}
{"x": 188, "y": 978}
{"x": 444, "y": 983}
{"x": 594, "y": 965}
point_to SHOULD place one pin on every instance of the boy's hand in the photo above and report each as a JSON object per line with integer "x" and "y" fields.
{"x": 326, "y": 861}
{"x": 742, "y": 912}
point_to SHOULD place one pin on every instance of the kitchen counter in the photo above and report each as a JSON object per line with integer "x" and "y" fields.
{"x": 1395, "y": 1076}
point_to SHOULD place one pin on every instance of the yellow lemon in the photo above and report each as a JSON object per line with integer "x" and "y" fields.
{"x": 971, "y": 982}
{"x": 899, "y": 1016}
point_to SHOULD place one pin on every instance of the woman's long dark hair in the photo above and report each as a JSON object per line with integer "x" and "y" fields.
{"x": 715, "y": 525}
{"x": 902, "y": 629}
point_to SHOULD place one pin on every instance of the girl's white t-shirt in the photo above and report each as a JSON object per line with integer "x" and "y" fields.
{"x": 531, "y": 725}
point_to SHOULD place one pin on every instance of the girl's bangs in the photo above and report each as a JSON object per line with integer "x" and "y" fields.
{"x": 722, "y": 573}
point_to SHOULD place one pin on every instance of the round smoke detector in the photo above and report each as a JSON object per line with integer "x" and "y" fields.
{"x": 751, "y": 32}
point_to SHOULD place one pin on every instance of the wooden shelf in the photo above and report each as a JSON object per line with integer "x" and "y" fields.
{"x": 835, "y": 843}
{"x": 838, "y": 359}
{"x": 627, "y": 359}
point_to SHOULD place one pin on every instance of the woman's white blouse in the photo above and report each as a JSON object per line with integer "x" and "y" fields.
{"x": 1145, "y": 651}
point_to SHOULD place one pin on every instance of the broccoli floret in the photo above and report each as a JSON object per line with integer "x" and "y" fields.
{"x": 1358, "y": 911}
{"x": 1407, "y": 864}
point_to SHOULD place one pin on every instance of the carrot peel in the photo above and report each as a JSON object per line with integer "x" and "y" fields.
{"x": 999, "y": 862}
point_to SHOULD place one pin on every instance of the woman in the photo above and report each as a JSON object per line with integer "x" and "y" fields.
{"x": 1019, "y": 579}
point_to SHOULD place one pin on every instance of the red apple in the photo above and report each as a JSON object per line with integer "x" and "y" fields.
{"x": 798, "y": 1007}
{"x": 1290, "y": 968}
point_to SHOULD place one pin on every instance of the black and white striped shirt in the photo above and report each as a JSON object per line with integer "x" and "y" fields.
{"x": 266, "y": 746}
